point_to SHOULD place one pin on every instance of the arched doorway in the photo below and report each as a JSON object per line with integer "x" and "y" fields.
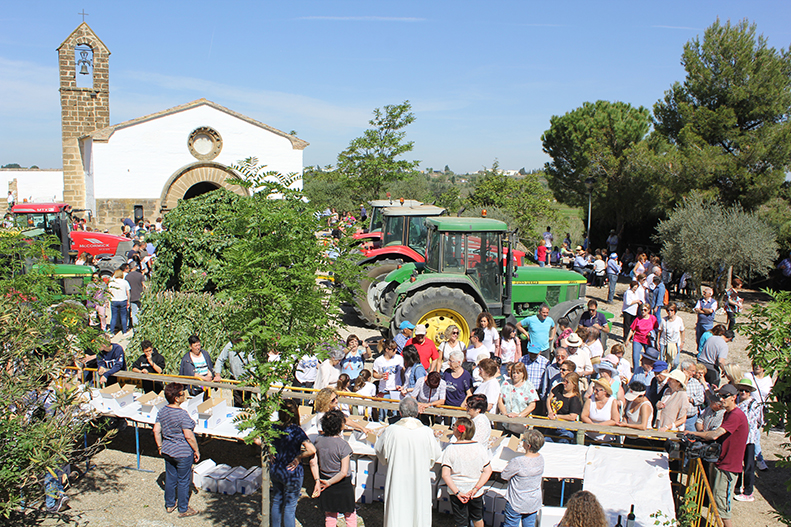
{"x": 196, "y": 179}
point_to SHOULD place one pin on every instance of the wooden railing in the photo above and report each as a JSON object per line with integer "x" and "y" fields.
{"x": 291, "y": 392}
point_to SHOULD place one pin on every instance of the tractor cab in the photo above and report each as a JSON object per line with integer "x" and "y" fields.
{"x": 407, "y": 227}
{"x": 469, "y": 247}
{"x": 372, "y": 235}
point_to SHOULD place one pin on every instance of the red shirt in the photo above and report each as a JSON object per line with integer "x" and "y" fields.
{"x": 734, "y": 441}
{"x": 427, "y": 351}
{"x": 542, "y": 253}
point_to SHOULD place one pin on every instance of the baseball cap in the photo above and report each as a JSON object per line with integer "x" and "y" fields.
{"x": 660, "y": 366}
{"x": 420, "y": 329}
{"x": 406, "y": 325}
{"x": 727, "y": 390}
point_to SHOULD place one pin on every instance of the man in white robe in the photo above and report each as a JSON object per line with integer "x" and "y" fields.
{"x": 410, "y": 450}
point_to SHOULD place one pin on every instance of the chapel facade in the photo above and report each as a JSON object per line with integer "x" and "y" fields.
{"x": 144, "y": 166}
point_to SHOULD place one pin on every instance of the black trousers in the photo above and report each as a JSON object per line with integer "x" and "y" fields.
{"x": 464, "y": 513}
{"x": 747, "y": 477}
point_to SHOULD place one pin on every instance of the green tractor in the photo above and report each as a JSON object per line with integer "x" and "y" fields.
{"x": 465, "y": 273}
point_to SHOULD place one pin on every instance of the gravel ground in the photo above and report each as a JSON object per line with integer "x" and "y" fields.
{"x": 112, "y": 494}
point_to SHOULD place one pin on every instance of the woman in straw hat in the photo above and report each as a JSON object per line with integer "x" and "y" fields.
{"x": 672, "y": 408}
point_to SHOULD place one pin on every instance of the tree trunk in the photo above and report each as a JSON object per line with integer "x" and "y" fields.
{"x": 265, "y": 483}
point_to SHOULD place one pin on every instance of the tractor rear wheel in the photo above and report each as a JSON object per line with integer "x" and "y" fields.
{"x": 366, "y": 299}
{"x": 437, "y": 308}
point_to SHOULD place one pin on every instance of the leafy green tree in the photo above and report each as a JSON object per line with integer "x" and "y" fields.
{"x": 769, "y": 331}
{"x": 270, "y": 273}
{"x": 371, "y": 161}
{"x": 595, "y": 142}
{"x": 729, "y": 119}
{"x": 706, "y": 238}
{"x": 525, "y": 200}
{"x": 40, "y": 406}
{"x": 447, "y": 170}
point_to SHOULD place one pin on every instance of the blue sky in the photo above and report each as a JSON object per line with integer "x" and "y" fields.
{"x": 484, "y": 78}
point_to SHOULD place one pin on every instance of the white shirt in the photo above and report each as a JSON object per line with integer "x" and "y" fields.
{"x": 763, "y": 385}
{"x": 628, "y": 297}
{"x": 507, "y": 350}
{"x": 582, "y": 360}
{"x": 473, "y": 352}
{"x": 594, "y": 349}
{"x": 490, "y": 337}
{"x": 671, "y": 330}
{"x": 393, "y": 367}
{"x": 491, "y": 389}
{"x": 119, "y": 290}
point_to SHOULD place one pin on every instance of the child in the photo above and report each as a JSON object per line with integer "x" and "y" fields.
{"x": 510, "y": 350}
{"x": 524, "y": 474}
{"x": 363, "y": 386}
{"x": 334, "y": 487}
{"x": 564, "y": 330}
{"x": 343, "y": 386}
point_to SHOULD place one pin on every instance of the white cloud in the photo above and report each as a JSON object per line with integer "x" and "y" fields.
{"x": 363, "y": 18}
{"x": 255, "y": 102}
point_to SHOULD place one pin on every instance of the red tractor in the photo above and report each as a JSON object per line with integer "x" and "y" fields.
{"x": 371, "y": 237}
{"x": 108, "y": 251}
{"x": 403, "y": 239}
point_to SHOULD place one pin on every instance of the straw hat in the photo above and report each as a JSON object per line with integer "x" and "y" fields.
{"x": 605, "y": 385}
{"x": 679, "y": 376}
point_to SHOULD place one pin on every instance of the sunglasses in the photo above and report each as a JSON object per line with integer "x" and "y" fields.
{"x": 565, "y": 369}
{"x": 334, "y": 400}
{"x": 744, "y": 391}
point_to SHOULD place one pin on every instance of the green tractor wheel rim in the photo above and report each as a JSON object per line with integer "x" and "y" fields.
{"x": 437, "y": 320}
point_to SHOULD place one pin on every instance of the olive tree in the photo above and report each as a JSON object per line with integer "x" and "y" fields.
{"x": 41, "y": 411}
{"x": 707, "y": 238}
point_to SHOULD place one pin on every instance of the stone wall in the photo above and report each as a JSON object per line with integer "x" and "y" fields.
{"x": 110, "y": 212}
{"x": 83, "y": 110}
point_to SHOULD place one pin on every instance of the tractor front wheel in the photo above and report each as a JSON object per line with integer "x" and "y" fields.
{"x": 437, "y": 308}
{"x": 366, "y": 299}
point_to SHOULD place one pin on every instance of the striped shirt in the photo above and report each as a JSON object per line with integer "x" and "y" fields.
{"x": 173, "y": 422}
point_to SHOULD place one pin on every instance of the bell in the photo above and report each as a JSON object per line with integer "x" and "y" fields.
{"x": 84, "y": 69}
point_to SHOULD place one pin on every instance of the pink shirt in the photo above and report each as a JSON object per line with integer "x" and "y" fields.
{"x": 642, "y": 327}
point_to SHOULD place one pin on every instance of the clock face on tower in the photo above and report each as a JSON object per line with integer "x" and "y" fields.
{"x": 204, "y": 143}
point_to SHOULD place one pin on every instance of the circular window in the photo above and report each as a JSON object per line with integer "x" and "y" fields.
{"x": 205, "y": 143}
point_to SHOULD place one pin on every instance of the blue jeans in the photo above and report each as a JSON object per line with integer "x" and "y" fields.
{"x": 514, "y": 519}
{"x": 119, "y": 310}
{"x": 178, "y": 478}
{"x": 637, "y": 350}
{"x": 613, "y": 281}
{"x": 284, "y": 496}
{"x": 53, "y": 488}
{"x": 689, "y": 426}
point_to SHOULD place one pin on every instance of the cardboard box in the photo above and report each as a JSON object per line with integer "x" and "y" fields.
{"x": 250, "y": 482}
{"x": 364, "y": 478}
{"x": 151, "y": 403}
{"x": 379, "y": 481}
{"x": 212, "y": 478}
{"x": 200, "y": 470}
{"x": 191, "y": 406}
{"x": 227, "y": 485}
{"x": 212, "y": 413}
{"x": 550, "y": 516}
{"x": 443, "y": 433}
{"x": 115, "y": 396}
{"x": 378, "y": 495}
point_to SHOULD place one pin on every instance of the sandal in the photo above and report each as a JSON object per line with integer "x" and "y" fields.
{"x": 187, "y": 513}
{"x": 170, "y": 509}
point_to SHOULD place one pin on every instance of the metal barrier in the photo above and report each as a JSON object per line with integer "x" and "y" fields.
{"x": 699, "y": 490}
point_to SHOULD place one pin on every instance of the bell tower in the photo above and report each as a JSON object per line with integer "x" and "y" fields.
{"x": 83, "y": 63}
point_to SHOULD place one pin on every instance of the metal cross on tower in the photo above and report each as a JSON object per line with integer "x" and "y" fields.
{"x": 84, "y": 14}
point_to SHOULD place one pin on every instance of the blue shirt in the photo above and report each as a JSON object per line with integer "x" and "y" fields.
{"x": 400, "y": 341}
{"x": 173, "y": 422}
{"x": 287, "y": 447}
{"x": 642, "y": 376}
{"x": 613, "y": 267}
{"x": 536, "y": 369}
{"x": 538, "y": 331}
{"x": 352, "y": 365}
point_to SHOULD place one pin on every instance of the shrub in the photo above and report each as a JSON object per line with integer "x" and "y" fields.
{"x": 168, "y": 318}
